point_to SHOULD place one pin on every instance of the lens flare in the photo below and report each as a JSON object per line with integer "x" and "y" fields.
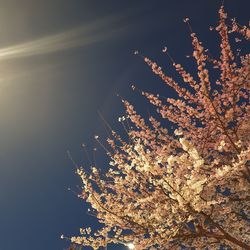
{"x": 76, "y": 37}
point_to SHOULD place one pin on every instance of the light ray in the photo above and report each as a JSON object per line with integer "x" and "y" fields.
{"x": 72, "y": 38}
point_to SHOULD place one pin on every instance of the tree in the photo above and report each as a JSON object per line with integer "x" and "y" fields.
{"x": 189, "y": 188}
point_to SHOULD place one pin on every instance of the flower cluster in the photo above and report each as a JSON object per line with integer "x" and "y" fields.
{"x": 190, "y": 188}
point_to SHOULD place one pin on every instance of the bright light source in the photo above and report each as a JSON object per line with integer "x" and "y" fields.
{"x": 131, "y": 246}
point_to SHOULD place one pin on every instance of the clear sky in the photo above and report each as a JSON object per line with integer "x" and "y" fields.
{"x": 60, "y": 62}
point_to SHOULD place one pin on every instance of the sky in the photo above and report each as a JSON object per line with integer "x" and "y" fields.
{"x": 62, "y": 62}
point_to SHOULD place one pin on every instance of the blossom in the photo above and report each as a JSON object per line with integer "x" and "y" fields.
{"x": 130, "y": 246}
{"x": 221, "y": 145}
{"x": 165, "y": 49}
{"x": 178, "y": 132}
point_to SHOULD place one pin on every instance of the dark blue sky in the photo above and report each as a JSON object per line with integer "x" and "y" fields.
{"x": 60, "y": 62}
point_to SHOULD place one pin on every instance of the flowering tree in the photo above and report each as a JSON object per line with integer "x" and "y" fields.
{"x": 186, "y": 189}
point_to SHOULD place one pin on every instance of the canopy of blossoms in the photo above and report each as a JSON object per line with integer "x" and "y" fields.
{"x": 186, "y": 189}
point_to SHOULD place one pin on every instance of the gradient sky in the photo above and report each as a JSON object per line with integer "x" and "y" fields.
{"x": 60, "y": 62}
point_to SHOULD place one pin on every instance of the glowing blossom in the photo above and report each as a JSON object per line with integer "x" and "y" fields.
{"x": 131, "y": 246}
